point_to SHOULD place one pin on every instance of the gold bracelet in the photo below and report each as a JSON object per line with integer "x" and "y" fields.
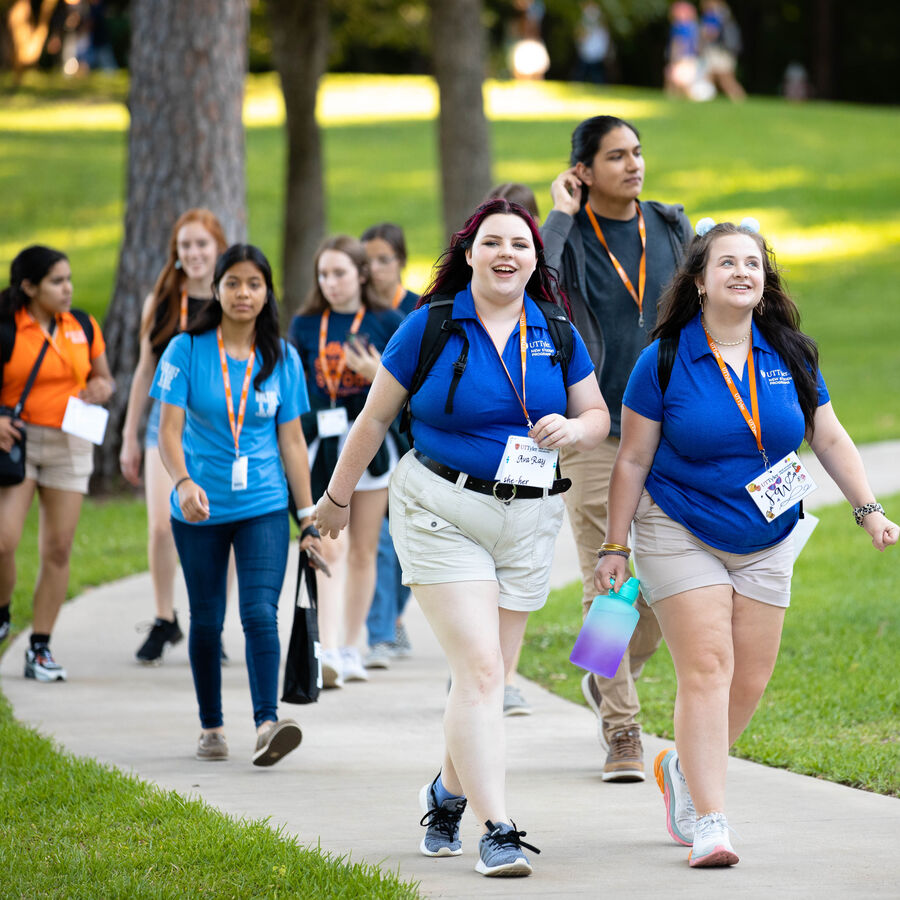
{"x": 618, "y": 547}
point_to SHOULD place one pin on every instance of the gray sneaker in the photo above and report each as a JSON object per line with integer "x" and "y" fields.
{"x": 401, "y": 644}
{"x": 442, "y": 822}
{"x": 500, "y": 851}
{"x": 276, "y": 742}
{"x": 592, "y": 697}
{"x": 379, "y": 656}
{"x": 514, "y": 704}
{"x": 211, "y": 746}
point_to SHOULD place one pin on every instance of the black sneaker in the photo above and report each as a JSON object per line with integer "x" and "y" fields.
{"x": 4, "y": 630}
{"x": 161, "y": 633}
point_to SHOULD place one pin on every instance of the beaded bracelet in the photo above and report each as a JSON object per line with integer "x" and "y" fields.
{"x": 601, "y": 553}
{"x": 860, "y": 512}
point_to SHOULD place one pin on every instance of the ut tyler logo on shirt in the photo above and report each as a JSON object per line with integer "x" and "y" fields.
{"x": 167, "y": 374}
{"x": 266, "y": 404}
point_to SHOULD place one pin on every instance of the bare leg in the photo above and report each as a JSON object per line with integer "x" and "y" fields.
{"x": 14, "y": 504}
{"x": 466, "y": 621}
{"x": 367, "y": 509}
{"x": 59, "y": 517}
{"x": 161, "y": 553}
{"x": 331, "y": 590}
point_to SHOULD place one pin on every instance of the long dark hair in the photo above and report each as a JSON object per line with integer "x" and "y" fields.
{"x": 31, "y": 264}
{"x": 452, "y": 273}
{"x": 776, "y": 315}
{"x": 315, "y": 302}
{"x": 268, "y": 338}
{"x": 167, "y": 290}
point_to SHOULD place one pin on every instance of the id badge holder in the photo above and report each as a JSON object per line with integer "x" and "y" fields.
{"x": 332, "y": 422}
{"x": 525, "y": 463}
{"x": 239, "y": 474}
{"x": 780, "y": 487}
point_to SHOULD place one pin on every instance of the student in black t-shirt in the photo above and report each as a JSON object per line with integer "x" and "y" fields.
{"x": 614, "y": 255}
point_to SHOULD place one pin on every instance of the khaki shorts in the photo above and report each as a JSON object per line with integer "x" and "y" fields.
{"x": 58, "y": 460}
{"x": 444, "y": 533}
{"x": 669, "y": 559}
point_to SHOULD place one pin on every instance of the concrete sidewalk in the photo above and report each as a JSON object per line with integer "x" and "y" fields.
{"x": 367, "y": 749}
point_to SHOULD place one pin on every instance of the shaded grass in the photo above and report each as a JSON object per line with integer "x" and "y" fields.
{"x": 832, "y": 708}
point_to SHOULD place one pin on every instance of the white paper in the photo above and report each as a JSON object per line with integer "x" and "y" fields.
{"x": 781, "y": 487}
{"x": 332, "y": 422}
{"x": 802, "y": 532}
{"x": 524, "y": 463}
{"x": 85, "y": 420}
{"x": 239, "y": 474}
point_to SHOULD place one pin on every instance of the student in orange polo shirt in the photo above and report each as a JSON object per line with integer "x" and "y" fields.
{"x": 58, "y": 465}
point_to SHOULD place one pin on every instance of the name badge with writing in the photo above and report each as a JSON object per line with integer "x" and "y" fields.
{"x": 782, "y": 486}
{"x": 525, "y": 463}
{"x": 239, "y": 474}
{"x": 332, "y": 422}
{"x": 85, "y": 420}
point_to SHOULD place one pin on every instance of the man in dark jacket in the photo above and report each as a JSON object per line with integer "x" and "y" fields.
{"x": 614, "y": 255}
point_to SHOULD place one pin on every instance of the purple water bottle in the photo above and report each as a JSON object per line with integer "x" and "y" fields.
{"x": 607, "y": 629}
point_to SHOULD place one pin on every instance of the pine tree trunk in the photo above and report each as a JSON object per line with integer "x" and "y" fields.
{"x": 300, "y": 52}
{"x": 185, "y": 148}
{"x": 459, "y": 54}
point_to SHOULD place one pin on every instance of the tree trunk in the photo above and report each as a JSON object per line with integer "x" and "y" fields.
{"x": 300, "y": 52}
{"x": 185, "y": 148}
{"x": 459, "y": 54}
{"x": 823, "y": 49}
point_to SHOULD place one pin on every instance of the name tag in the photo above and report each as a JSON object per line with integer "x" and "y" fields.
{"x": 525, "y": 463}
{"x": 239, "y": 474}
{"x": 332, "y": 422}
{"x": 782, "y": 486}
{"x": 85, "y": 420}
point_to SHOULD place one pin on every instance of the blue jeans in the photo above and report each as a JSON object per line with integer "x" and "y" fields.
{"x": 391, "y": 595}
{"x": 260, "y": 553}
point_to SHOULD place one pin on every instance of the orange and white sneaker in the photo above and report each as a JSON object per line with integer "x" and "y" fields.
{"x": 711, "y": 844}
{"x": 680, "y": 815}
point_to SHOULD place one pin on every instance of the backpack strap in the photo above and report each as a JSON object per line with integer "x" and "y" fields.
{"x": 665, "y": 360}
{"x": 560, "y": 333}
{"x": 87, "y": 326}
{"x": 7, "y": 342}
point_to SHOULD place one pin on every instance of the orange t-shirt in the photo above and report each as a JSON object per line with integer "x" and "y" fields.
{"x": 66, "y": 367}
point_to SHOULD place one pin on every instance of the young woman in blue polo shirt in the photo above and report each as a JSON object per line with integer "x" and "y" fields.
{"x": 715, "y": 563}
{"x": 476, "y": 552}
{"x": 232, "y": 393}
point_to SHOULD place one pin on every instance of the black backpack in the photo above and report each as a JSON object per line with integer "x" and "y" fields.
{"x": 8, "y": 335}
{"x": 441, "y": 324}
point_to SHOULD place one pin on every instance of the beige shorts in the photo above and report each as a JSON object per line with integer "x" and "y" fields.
{"x": 444, "y": 533}
{"x": 669, "y": 559}
{"x": 58, "y": 460}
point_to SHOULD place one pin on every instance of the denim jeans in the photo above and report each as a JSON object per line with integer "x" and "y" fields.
{"x": 391, "y": 595}
{"x": 260, "y": 553}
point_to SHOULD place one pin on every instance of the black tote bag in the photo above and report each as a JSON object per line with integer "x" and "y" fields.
{"x": 302, "y": 668}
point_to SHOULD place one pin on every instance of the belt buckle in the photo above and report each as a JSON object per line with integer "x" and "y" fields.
{"x": 503, "y": 484}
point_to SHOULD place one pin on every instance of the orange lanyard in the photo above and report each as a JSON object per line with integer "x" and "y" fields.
{"x": 67, "y": 358}
{"x": 751, "y": 420}
{"x": 636, "y": 295}
{"x": 523, "y": 349}
{"x": 332, "y": 384}
{"x": 398, "y": 296}
{"x": 182, "y": 320}
{"x": 229, "y": 400}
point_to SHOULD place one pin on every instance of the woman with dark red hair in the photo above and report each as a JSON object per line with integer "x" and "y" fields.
{"x": 475, "y": 507}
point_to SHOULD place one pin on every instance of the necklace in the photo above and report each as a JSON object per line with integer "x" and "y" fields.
{"x": 726, "y": 343}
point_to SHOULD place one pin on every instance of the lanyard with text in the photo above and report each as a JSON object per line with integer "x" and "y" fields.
{"x": 66, "y": 357}
{"x": 751, "y": 420}
{"x": 332, "y": 385}
{"x": 636, "y": 295}
{"x": 523, "y": 348}
{"x": 183, "y": 317}
{"x": 229, "y": 400}
{"x": 399, "y": 294}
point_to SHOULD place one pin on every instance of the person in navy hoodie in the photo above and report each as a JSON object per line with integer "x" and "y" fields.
{"x": 708, "y": 474}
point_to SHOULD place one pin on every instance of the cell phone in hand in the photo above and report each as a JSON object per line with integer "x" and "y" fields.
{"x": 359, "y": 341}
{"x": 317, "y": 561}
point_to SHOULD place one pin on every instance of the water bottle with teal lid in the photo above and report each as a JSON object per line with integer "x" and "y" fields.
{"x": 607, "y": 629}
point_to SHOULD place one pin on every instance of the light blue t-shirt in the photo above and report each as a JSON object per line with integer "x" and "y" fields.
{"x": 189, "y": 375}
{"x": 485, "y": 409}
{"x": 707, "y": 453}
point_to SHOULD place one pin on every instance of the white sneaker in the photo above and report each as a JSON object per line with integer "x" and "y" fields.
{"x": 354, "y": 670}
{"x": 332, "y": 668}
{"x": 680, "y": 815}
{"x": 379, "y": 656}
{"x": 711, "y": 844}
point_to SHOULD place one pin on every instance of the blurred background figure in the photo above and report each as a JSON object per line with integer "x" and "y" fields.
{"x": 529, "y": 59}
{"x": 796, "y": 84}
{"x": 682, "y": 52}
{"x": 720, "y": 44}
{"x": 592, "y": 44}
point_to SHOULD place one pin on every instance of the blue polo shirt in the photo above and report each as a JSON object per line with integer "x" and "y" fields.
{"x": 485, "y": 409}
{"x": 706, "y": 453}
{"x": 189, "y": 375}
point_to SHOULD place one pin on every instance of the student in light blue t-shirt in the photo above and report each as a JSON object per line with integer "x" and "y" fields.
{"x": 232, "y": 393}
{"x": 707, "y": 473}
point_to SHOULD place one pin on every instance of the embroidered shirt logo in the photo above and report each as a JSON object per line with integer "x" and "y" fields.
{"x": 75, "y": 336}
{"x": 541, "y": 347}
{"x": 266, "y": 404}
{"x": 167, "y": 374}
{"x": 776, "y": 376}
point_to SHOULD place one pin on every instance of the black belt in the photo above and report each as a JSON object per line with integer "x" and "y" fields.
{"x": 498, "y": 489}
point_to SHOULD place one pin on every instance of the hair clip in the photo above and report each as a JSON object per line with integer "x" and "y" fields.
{"x": 749, "y": 224}
{"x": 704, "y": 225}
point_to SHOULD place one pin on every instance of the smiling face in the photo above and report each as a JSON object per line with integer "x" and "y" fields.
{"x": 616, "y": 172}
{"x": 53, "y": 294}
{"x": 734, "y": 276}
{"x": 197, "y": 252}
{"x": 339, "y": 280}
{"x": 502, "y": 257}
{"x": 242, "y": 292}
